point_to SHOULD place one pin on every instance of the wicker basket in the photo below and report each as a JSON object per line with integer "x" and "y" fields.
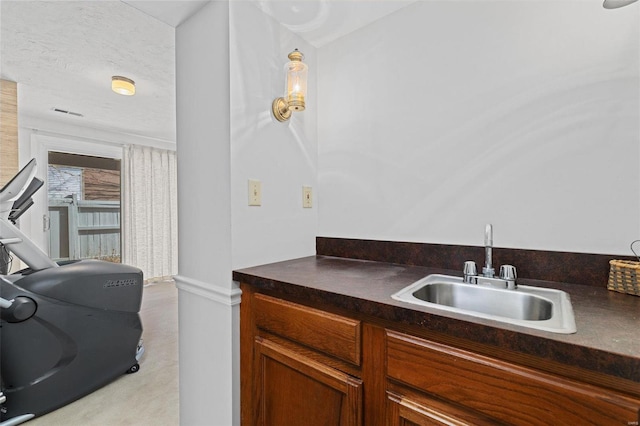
{"x": 624, "y": 276}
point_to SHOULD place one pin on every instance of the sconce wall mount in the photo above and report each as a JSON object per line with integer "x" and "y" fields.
{"x": 295, "y": 90}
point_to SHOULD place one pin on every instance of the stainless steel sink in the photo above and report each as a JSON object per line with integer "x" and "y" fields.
{"x": 533, "y": 307}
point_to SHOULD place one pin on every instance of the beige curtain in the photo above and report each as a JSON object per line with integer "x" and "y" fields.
{"x": 149, "y": 211}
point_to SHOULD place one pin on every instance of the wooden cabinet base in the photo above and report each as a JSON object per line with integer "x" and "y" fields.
{"x": 305, "y": 365}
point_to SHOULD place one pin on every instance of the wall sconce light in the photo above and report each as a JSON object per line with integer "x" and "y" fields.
{"x": 123, "y": 85}
{"x": 296, "y": 88}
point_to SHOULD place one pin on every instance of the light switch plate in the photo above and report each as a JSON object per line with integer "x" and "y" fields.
{"x": 255, "y": 192}
{"x": 307, "y": 197}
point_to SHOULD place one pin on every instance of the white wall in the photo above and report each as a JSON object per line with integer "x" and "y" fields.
{"x": 283, "y": 156}
{"x": 448, "y": 115}
{"x": 230, "y": 60}
{"x": 208, "y": 301}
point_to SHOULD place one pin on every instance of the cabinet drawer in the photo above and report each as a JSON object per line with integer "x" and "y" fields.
{"x": 326, "y": 332}
{"x": 504, "y": 391}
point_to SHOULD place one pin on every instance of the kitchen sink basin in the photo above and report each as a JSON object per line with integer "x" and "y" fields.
{"x": 533, "y": 307}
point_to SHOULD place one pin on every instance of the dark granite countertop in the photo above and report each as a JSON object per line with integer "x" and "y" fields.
{"x": 608, "y": 323}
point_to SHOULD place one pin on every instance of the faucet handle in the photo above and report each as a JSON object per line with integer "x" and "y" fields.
{"x": 509, "y": 274}
{"x": 470, "y": 270}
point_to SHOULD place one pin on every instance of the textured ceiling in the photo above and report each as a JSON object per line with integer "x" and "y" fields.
{"x": 63, "y": 54}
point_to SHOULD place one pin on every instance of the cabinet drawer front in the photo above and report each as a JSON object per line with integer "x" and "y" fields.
{"x": 508, "y": 392}
{"x": 329, "y": 333}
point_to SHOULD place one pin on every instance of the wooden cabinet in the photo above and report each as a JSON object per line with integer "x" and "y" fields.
{"x": 299, "y": 365}
{"x": 304, "y": 365}
{"x": 493, "y": 389}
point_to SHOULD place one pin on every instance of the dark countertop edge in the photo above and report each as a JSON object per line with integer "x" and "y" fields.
{"x": 588, "y": 358}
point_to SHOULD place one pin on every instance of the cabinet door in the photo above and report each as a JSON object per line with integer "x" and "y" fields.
{"x": 419, "y": 410}
{"x": 291, "y": 389}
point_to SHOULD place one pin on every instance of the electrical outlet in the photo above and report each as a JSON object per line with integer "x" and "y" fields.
{"x": 255, "y": 193}
{"x": 307, "y": 197}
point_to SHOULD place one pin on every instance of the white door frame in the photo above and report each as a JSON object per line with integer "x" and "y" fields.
{"x": 40, "y": 147}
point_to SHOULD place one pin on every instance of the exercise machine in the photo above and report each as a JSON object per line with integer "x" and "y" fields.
{"x": 66, "y": 329}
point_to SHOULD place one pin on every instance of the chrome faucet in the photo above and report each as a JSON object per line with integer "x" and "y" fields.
{"x": 508, "y": 275}
{"x": 488, "y": 270}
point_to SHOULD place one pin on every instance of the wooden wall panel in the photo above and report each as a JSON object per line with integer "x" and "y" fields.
{"x": 8, "y": 130}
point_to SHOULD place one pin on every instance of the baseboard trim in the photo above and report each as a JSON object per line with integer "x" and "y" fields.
{"x": 225, "y": 296}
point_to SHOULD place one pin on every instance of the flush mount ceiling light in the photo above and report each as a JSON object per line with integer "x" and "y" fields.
{"x": 123, "y": 85}
{"x": 295, "y": 90}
